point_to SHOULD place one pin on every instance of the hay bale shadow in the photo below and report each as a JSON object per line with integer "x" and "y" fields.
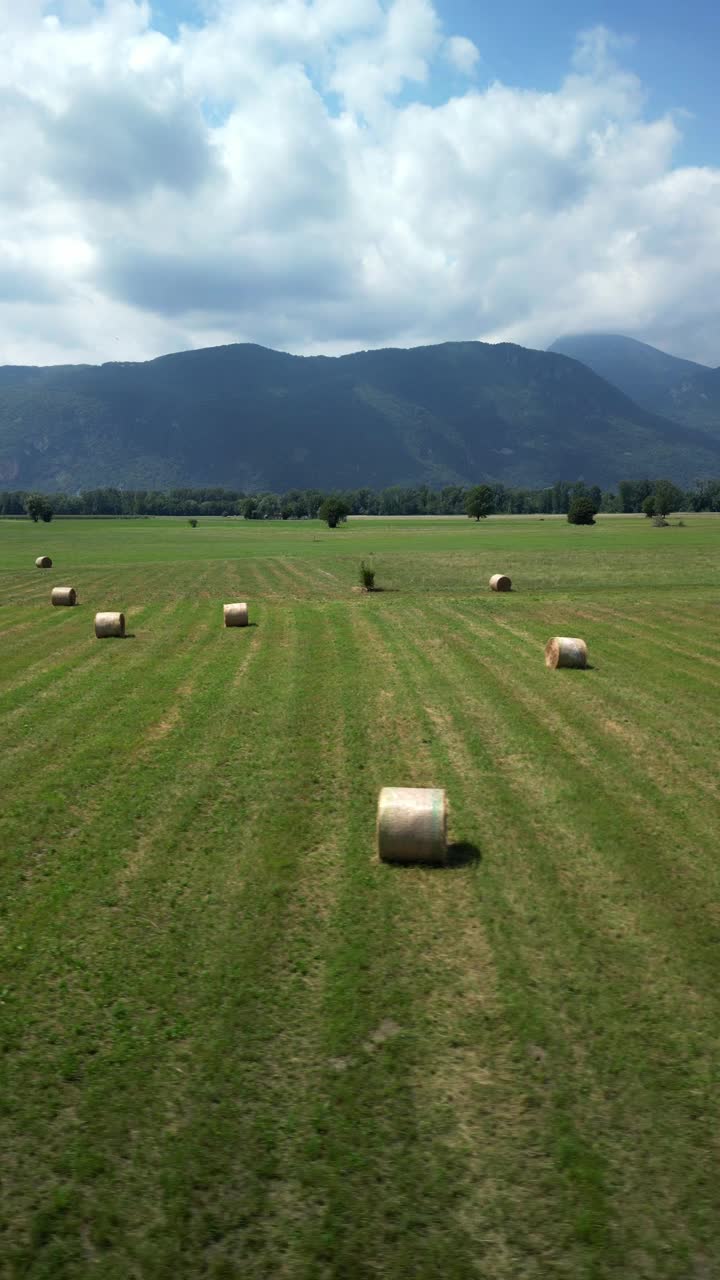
{"x": 459, "y": 854}
{"x": 589, "y": 666}
{"x": 463, "y": 854}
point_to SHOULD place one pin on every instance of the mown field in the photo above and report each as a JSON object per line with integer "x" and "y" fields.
{"x": 234, "y": 1044}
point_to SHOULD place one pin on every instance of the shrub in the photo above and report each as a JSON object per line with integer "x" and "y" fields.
{"x": 660, "y": 522}
{"x": 333, "y": 511}
{"x": 582, "y": 511}
{"x": 192, "y": 522}
{"x": 367, "y": 576}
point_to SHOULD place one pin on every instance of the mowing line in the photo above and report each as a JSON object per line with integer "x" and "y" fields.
{"x": 685, "y": 1117}
{"x": 507, "y": 1208}
{"x": 100, "y": 932}
{"x": 57, "y": 712}
{"x": 519, "y": 1208}
{"x": 617, "y": 695}
{"x": 569, "y": 728}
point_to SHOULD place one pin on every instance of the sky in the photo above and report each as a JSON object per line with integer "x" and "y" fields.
{"x": 323, "y": 176}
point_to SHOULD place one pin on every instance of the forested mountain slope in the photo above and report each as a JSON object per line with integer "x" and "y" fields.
{"x": 248, "y": 417}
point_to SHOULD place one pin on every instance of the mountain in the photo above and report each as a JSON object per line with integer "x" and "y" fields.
{"x": 677, "y": 389}
{"x": 251, "y": 418}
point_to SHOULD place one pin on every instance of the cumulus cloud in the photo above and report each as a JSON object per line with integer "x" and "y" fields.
{"x": 291, "y": 173}
{"x": 111, "y": 144}
{"x": 462, "y": 54}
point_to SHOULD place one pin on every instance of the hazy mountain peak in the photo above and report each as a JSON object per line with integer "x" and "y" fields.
{"x": 679, "y": 389}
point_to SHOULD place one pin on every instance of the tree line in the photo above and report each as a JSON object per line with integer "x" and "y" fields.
{"x": 408, "y": 500}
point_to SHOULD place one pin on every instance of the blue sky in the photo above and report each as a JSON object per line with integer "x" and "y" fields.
{"x": 331, "y": 175}
{"x": 675, "y": 51}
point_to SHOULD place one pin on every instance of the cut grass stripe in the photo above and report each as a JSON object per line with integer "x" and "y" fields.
{"x": 685, "y": 1112}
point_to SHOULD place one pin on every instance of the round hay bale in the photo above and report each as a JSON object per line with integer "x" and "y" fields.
{"x": 565, "y": 651}
{"x": 63, "y": 595}
{"x": 109, "y": 624}
{"x": 500, "y": 582}
{"x": 412, "y": 824}
{"x": 235, "y": 615}
{"x": 43, "y": 562}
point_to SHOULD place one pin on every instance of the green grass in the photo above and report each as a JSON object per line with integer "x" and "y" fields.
{"x": 234, "y": 1045}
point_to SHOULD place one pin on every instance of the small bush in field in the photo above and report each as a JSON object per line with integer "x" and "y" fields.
{"x": 367, "y": 576}
{"x": 334, "y": 511}
{"x": 582, "y": 511}
{"x": 192, "y": 522}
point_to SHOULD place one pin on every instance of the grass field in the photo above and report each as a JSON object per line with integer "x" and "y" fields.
{"x": 234, "y": 1044}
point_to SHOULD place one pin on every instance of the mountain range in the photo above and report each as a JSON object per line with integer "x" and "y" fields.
{"x": 251, "y": 418}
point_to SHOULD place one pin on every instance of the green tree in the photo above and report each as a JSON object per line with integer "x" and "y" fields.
{"x": 268, "y": 507}
{"x": 333, "y": 511}
{"x": 38, "y": 507}
{"x": 450, "y": 502}
{"x": 632, "y": 494}
{"x": 706, "y": 496}
{"x": 667, "y": 497}
{"x": 560, "y": 497}
{"x": 582, "y": 510}
{"x": 479, "y": 502}
{"x": 312, "y": 498}
{"x": 648, "y": 506}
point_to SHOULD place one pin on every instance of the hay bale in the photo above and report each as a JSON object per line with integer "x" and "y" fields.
{"x": 412, "y": 824}
{"x": 565, "y": 651}
{"x": 63, "y": 595}
{"x": 500, "y": 582}
{"x": 235, "y": 615}
{"x": 43, "y": 562}
{"x": 109, "y": 624}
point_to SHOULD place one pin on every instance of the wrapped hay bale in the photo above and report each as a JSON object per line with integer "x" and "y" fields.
{"x": 63, "y": 595}
{"x": 43, "y": 562}
{"x": 109, "y": 624}
{"x": 565, "y": 651}
{"x": 412, "y": 824}
{"x": 235, "y": 615}
{"x": 500, "y": 582}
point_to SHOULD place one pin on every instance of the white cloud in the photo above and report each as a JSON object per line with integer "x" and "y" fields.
{"x": 278, "y": 176}
{"x": 462, "y": 54}
{"x": 369, "y": 71}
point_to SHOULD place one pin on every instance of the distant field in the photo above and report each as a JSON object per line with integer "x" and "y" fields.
{"x": 234, "y": 1045}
